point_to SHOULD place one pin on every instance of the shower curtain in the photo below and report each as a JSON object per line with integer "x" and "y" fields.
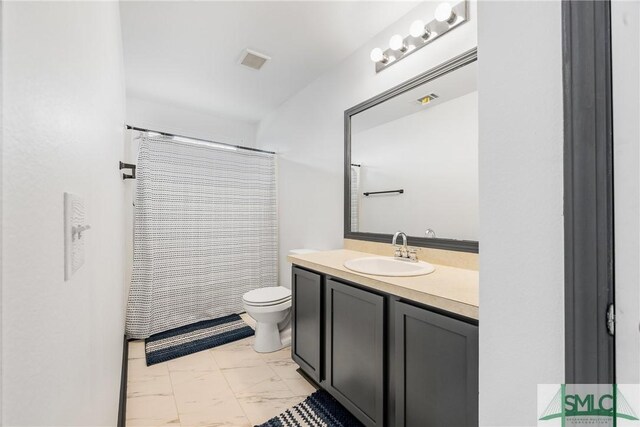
{"x": 205, "y": 232}
{"x": 355, "y": 198}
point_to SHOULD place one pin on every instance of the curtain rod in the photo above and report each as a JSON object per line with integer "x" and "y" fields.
{"x": 240, "y": 147}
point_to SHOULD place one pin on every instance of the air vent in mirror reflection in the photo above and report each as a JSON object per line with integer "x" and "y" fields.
{"x": 427, "y": 99}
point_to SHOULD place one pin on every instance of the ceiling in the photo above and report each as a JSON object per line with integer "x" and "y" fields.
{"x": 186, "y": 54}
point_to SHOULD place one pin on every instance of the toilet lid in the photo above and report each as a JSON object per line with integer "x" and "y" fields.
{"x": 267, "y": 296}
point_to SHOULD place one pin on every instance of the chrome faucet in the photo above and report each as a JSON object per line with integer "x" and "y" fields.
{"x": 430, "y": 233}
{"x": 402, "y": 252}
{"x": 395, "y": 238}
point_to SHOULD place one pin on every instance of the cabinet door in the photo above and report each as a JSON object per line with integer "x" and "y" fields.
{"x": 355, "y": 350}
{"x": 306, "y": 338}
{"x": 437, "y": 369}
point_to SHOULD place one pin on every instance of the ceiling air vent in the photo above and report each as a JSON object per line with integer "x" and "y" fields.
{"x": 253, "y": 59}
{"x": 427, "y": 98}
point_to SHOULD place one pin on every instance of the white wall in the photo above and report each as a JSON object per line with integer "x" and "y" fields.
{"x": 433, "y": 156}
{"x": 131, "y": 150}
{"x": 179, "y": 120}
{"x": 521, "y": 202}
{"x": 63, "y": 112}
{"x": 625, "y": 27}
{"x": 307, "y": 132}
{"x": 1, "y": 210}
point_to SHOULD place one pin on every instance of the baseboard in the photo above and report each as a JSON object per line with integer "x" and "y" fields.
{"x": 122, "y": 408}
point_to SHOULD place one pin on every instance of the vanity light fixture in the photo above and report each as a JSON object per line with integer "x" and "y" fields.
{"x": 418, "y": 29}
{"x": 445, "y": 13}
{"x": 446, "y": 18}
{"x": 397, "y": 43}
{"x": 378, "y": 56}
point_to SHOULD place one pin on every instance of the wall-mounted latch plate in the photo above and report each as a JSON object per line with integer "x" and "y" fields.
{"x": 74, "y": 226}
{"x": 611, "y": 320}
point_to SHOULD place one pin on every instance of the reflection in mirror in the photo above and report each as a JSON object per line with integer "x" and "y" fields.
{"x": 414, "y": 161}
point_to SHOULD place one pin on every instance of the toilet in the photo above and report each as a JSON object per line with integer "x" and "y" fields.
{"x": 270, "y": 307}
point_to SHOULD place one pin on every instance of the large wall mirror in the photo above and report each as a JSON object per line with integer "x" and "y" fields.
{"x": 411, "y": 160}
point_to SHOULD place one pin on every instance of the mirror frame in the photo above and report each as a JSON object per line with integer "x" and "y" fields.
{"x": 432, "y": 74}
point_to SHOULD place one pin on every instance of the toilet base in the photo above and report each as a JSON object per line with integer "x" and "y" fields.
{"x": 273, "y": 326}
{"x": 267, "y": 338}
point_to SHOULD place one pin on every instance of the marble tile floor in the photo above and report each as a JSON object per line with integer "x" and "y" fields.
{"x": 230, "y": 385}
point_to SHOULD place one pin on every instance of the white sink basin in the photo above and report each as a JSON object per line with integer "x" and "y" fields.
{"x": 387, "y": 266}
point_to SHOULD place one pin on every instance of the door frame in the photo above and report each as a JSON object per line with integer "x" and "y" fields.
{"x": 588, "y": 191}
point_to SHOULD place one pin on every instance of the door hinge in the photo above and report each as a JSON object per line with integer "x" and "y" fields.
{"x": 611, "y": 320}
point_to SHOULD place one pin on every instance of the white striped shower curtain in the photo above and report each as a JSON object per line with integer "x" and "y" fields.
{"x": 205, "y": 233}
{"x": 355, "y": 198}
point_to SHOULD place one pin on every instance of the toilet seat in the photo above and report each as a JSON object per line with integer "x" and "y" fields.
{"x": 268, "y": 296}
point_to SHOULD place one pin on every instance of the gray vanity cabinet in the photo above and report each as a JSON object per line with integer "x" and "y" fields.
{"x": 390, "y": 362}
{"x": 436, "y": 369}
{"x": 355, "y": 350}
{"x": 306, "y": 332}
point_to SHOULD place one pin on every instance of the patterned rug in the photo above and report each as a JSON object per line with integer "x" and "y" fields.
{"x": 194, "y": 338}
{"x": 317, "y": 410}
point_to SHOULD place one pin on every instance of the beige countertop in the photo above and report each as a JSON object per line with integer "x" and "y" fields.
{"x": 447, "y": 288}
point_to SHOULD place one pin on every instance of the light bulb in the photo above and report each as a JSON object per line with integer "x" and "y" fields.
{"x": 377, "y": 55}
{"x": 396, "y": 42}
{"x": 417, "y": 28}
{"x": 445, "y": 13}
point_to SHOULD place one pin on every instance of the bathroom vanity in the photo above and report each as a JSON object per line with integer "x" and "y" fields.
{"x": 401, "y": 351}
{"x": 395, "y": 351}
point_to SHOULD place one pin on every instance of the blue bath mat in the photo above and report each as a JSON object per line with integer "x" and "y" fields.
{"x": 319, "y": 409}
{"x": 194, "y": 338}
